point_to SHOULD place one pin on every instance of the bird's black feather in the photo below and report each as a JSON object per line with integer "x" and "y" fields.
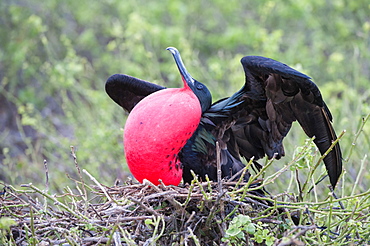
{"x": 251, "y": 123}
{"x": 127, "y": 91}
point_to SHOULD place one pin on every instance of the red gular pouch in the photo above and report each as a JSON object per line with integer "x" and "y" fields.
{"x": 156, "y": 130}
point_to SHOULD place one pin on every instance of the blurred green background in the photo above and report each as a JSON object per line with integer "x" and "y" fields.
{"x": 55, "y": 57}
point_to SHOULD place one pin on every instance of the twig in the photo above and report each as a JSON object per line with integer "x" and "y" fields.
{"x": 363, "y": 122}
{"x": 32, "y": 224}
{"x": 292, "y": 240}
{"x": 189, "y": 219}
{"x": 99, "y": 185}
{"x": 214, "y": 208}
{"x": 123, "y": 219}
{"x": 195, "y": 239}
{"x": 220, "y": 192}
{"x": 146, "y": 208}
{"x": 313, "y": 169}
{"x": 80, "y": 216}
{"x": 168, "y": 195}
{"x": 79, "y": 174}
{"x": 112, "y": 235}
{"x": 359, "y": 175}
{"x": 218, "y": 161}
{"x": 196, "y": 181}
{"x": 46, "y": 175}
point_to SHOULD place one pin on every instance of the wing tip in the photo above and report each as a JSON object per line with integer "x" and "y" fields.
{"x": 277, "y": 66}
{"x": 335, "y": 174}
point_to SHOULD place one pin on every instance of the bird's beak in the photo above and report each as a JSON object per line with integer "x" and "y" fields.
{"x": 186, "y": 77}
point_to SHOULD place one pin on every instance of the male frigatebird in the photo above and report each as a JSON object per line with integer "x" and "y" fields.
{"x": 172, "y": 131}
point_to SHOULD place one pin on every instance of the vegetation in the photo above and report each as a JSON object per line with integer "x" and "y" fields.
{"x": 55, "y": 57}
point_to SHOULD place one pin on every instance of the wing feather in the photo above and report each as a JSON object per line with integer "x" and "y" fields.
{"x": 127, "y": 91}
{"x": 261, "y": 114}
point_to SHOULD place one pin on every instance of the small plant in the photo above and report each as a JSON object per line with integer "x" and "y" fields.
{"x": 155, "y": 223}
{"x": 263, "y": 234}
{"x": 242, "y": 227}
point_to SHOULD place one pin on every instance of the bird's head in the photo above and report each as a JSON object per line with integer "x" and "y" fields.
{"x": 200, "y": 90}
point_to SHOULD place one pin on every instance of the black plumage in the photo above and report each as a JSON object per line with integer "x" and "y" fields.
{"x": 251, "y": 123}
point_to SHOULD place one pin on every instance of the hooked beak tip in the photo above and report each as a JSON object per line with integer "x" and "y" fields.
{"x": 173, "y": 50}
{"x": 184, "y": 73}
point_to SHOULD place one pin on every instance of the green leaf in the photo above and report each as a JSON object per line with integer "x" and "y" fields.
{"x": 250, "y": 228}
{"x": 233, "y": 231}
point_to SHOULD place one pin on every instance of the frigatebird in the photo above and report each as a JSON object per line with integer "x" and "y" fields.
{"x": 251, "y": 123}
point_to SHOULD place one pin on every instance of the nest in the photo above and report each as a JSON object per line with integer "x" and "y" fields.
{"x": 202, "y": 213}
{"x": 135, "y": 214}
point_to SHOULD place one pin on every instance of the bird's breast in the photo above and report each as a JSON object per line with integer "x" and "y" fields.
{"x": 156, "y": 130}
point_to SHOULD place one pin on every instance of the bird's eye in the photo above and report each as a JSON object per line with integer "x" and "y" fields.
{"x": 199, "y": 86}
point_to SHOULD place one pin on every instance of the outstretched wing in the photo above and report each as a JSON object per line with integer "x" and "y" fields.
{"x": 127, "y": 91}
{"x": 261, "y": 113}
